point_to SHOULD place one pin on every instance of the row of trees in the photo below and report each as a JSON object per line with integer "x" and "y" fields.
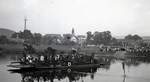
{"x": 98, "y": 38}
{"x": 133, "y": 37}
{"x": 37, "y": 38}
{"x": 28, "y": 36}
{"x": 134, "y": 41}
{"x": 105, "y": 38}
{"x": 5, "y": 40}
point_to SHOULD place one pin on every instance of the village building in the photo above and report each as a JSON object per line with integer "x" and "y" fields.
{"x": 81, "y": 39}
{"x": 70, "y": 38}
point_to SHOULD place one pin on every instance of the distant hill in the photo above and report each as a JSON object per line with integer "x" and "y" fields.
{"x": 6, "y": 32}
{"x": 146, "y": 37}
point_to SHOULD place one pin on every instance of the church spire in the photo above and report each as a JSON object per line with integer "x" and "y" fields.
{"x": 73, "y": 33}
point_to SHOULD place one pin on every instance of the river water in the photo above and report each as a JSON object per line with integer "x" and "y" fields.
{"x": 128, "y": 70}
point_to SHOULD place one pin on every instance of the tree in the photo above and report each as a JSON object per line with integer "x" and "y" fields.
{"x": 37, "y": 38}
{"x": 27, "y": 34}
{"x": 3, "y": 39}
{"x": 89, "y": 37}
{"x": 137, "y": 37}
{"x": 133, "y": 40}
{"x": 14, "y": 35}
{"x": 133, "y": 37}
{"x": 102, "y": 38}
{"x": 128, "y": 37}
{"x": 49, "y": 40}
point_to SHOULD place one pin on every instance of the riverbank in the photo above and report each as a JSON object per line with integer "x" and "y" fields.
{"x": 19, "y": 48}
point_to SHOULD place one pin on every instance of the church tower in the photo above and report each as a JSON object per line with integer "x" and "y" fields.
{"x": 73, "y": 33}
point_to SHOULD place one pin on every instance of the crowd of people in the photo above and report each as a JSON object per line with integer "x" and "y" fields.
{"x": 51, "y": 57}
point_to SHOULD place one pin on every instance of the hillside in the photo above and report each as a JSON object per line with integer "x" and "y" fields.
{"x": 6, "y": 32}
{"x": 146, "y": 37}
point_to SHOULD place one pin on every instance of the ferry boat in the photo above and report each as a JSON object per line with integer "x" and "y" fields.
{"x": 56, "y": 61}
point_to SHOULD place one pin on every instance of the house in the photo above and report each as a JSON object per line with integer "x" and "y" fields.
{"x": 70, "y": 38}
{"x": 81, "y": 39}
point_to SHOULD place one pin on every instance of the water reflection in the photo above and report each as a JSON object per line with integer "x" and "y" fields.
{"x": 50, "y": 75}
{"x": 133, "y": 62}
{"x": 76, "y": 74}
{"x": 79, "y": 75}
{"x": 130, "y": 61}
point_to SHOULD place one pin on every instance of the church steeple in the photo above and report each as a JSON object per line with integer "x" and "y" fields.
{"x": 73, "y": 33}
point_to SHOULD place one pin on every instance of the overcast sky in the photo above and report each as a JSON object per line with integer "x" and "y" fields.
{"x": 121, "y": 17}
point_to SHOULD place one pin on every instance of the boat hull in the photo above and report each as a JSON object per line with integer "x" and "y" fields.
{"x": 55, "y": 67}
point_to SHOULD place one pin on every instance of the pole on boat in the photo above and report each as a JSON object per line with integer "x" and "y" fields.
{"x": 124, "y": 71}
{"x": 25, "y": 23}
{"x": 124, "y": 78}
{"x": 123, "y": 67}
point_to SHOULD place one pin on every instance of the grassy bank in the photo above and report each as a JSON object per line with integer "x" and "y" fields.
{"x": 11, "y": 48}
{"x": 18, "y": 48}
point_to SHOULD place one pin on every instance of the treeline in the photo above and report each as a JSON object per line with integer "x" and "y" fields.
{"x": 105, "y": 38}
{"x": 96, "y": 38}
{"x": 32, "y": 38}
{"x": 5, "y": 40}
{"x": 48, "y": 39}
{"x": 134, "y": 41}
{"x": 133, "y": 37}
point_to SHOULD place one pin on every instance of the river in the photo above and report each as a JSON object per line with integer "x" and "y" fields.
{"x": 129, "y": 70}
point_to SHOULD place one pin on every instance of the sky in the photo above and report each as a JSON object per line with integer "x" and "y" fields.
{"x": 121, "y": 17}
